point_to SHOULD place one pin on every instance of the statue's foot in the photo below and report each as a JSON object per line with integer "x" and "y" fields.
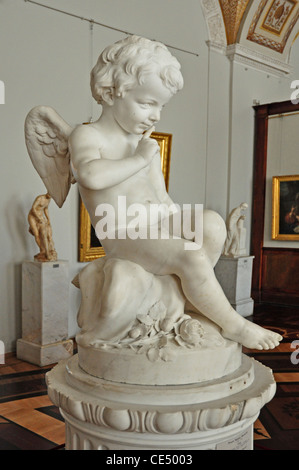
{"x": 253, "y": 336}
{"x": 40, "y": 256}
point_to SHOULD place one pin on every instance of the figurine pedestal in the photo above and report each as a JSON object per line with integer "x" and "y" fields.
{"x": 45, "y": 308}
{"x": 235, "y": 276}
{"x": 210, "y": 415}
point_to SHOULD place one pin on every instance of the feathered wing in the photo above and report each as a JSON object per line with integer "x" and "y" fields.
{"x": 46, "y": 136}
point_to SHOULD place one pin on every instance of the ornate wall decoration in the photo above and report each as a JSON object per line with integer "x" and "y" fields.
{"x": 273, "y": 23}
{"x": 233, "y": 12}
{"x": 214, "y": 20}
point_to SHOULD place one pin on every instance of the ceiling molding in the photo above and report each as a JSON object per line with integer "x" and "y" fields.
{"x": 259, "y": 33}
{"x": 258, "y": 61}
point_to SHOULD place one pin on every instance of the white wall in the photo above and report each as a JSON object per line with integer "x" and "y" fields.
{"x": 45, "y": 59}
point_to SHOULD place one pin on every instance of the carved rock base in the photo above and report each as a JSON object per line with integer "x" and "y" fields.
{"x": 210, "y": 360}
{"x": 217, "y": 414}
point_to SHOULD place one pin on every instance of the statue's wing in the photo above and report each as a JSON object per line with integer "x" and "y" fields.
{"x": 46, "y": 135}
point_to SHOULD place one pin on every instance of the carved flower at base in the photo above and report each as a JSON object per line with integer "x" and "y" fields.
{"x": 189, "y": 331}
{"x": 161, "y": 349}
{"x": 138, "y": 331}
{"x": 147, "y": 335}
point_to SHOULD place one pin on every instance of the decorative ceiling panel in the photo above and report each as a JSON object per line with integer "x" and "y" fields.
{"x": 273, "y": 23}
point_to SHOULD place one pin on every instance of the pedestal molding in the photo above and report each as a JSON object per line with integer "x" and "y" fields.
{"x": 95, "y": 438}
{"x": 179, "y": 419}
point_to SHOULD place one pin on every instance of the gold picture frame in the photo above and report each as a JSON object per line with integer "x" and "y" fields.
{"x": 285, "y": 207}
{"x": 89, "y": 245}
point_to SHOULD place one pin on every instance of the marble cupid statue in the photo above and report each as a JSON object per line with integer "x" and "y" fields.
{"x": 114, "y": 156}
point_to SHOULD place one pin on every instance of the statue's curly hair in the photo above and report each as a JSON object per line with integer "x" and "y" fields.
{"x": 124, "y": 64}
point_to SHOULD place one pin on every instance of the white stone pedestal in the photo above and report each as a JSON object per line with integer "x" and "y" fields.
{"x": 235, "y": 277}
{"x": 210, "y": 415}
{"x": 45, "y": 308}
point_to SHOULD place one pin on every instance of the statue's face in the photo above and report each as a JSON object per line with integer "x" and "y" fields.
{"x": 140, "y": 108}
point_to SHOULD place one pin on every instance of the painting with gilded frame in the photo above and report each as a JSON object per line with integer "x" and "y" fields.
{"x": 89, "y": 246}
{"x": 285, "y": 208}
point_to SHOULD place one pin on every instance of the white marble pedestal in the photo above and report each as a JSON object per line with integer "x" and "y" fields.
{"x": 235, "y": 277}
{"x": 211, "y": 415}
{"x": 45, "y": 309}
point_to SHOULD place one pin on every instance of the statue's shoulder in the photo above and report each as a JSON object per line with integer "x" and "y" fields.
{"x": 84, "y": 129}
{"x": 85, "y": 133}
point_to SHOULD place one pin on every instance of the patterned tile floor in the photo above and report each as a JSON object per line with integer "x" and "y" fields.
{"x": 278, "y": 425}
{"x": 29, "y": 421}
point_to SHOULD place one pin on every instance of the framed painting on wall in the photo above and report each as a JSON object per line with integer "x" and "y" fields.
{"x": 285, "y": 207}
{"x": 89, "y": 246}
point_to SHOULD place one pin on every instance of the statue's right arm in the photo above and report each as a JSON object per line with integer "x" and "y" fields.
{"x": 91, "y": 170}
